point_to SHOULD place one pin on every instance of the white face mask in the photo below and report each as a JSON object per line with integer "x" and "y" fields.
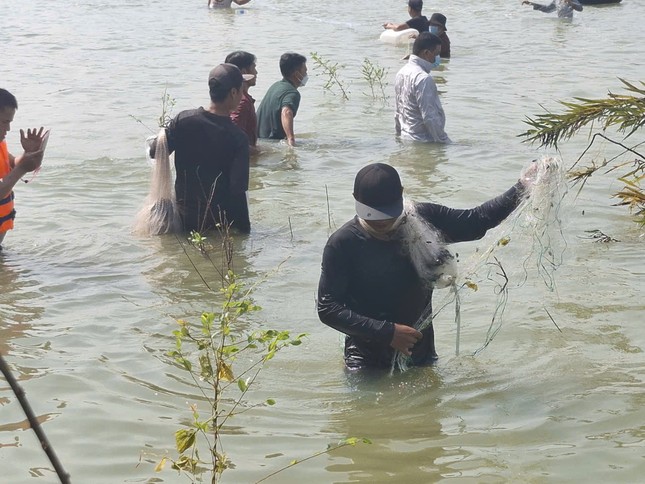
{"x": 303, "y": 81}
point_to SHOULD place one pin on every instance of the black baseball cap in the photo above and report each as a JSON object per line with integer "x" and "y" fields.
{"x": 225, "y": 77}
{"x": 438, "y": 19}
{"x": 378, "y": 192}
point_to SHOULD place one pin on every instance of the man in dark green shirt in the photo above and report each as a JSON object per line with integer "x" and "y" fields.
{"x": 280, "y": 103}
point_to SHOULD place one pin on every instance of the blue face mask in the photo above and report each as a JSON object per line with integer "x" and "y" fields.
{"x": 437, "y": 62}
{"x": 434, "y": 29}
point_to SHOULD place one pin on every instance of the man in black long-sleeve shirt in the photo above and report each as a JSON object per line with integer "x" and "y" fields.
{"x": 369, "y": 287}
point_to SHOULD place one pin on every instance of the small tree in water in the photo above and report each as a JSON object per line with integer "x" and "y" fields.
{"x": 209, "y": 351}
{"x": 626, "y": 113}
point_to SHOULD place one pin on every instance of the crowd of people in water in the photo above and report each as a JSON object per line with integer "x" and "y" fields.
{"x": 373, "y": 286}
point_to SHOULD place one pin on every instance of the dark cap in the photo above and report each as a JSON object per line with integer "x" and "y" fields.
{"x": 415, "y": 4}
{"x": 378, "y": 192}
{"x": 225, "y": 77}
{"x": 438, "y": 19}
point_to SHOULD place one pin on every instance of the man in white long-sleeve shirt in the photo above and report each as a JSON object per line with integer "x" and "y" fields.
{"x": 419, "y": 115}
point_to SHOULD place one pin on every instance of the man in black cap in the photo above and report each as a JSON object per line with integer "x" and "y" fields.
{"x": 438, "y": 27}
{"x": 372, "y": 287}
{"x": 417, "y": 20}
{"x": 212, "y": 157}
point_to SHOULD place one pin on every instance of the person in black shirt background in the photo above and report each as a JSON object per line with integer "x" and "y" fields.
{"x": 211, "y": 157}
{"x": 371, "y": 287}
{"x": 417, "y": 21}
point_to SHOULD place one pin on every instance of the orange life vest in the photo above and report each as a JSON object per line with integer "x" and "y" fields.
{"x": 7, "y": 213}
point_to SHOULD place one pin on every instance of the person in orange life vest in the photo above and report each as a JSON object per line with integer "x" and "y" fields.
{"x": 13, "y": 168}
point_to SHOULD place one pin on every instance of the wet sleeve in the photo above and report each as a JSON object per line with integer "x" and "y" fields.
{"x": 445, "y": 47}
{"x": 333, "y": 295}
{"x": 431, "y": 110}
{"x": 292, "y": 100}
{"x": 237, "y": 209}
{"x": 169, "y": 139}
{"x": 471, "y": 224}
{"x": 544, "y": 8}
{"x": 415, "y": 23}
{"x": 239, "y": 175}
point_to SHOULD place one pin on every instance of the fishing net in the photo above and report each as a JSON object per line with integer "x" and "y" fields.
{"x": 535, "y": 226}
{"x": 159, "y": 213}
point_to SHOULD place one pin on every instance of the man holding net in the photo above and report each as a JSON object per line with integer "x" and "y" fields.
{"x": 211, "y": 161}
{"x": 380, "y": 268}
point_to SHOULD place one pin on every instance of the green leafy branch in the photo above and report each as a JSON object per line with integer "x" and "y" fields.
{"x": 351, "y": 441}
{"x": 624, "y": 112}
{"x": 375, "y": 76}
{"x": 332, "y": 71}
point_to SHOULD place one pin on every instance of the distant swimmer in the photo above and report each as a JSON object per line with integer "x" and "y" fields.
{"x": 281, "y": 102}
{"x": 12, "y": 169}
{"x": 225, "y": 3}
{"x": 564, "y": 8}
{"x": 417, "y": 21}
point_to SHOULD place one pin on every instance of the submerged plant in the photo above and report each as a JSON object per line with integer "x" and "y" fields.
{"x": 331, "y": 70}
{"x": 375, "y": 76}
{"x": 167, "y": 104}
{"x": 223, "y": 357}
{"x": 625, "y": 113}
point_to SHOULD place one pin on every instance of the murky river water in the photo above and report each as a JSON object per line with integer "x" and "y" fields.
{"x": 87, "y": 309}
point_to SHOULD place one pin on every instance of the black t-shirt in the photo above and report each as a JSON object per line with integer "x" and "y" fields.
{"x": 419, "y": 23}
{"x": 367, "y": 284}
{"x": 212, "y": 165}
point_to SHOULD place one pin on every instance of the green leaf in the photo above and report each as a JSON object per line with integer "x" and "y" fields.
{"x": 270, "y": 401}
{"x": 242, "y": 385}
{"x": 184, "y": 439}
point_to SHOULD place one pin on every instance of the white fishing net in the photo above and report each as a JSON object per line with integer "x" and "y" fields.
{"x": 159, "y": 214}
{"x": 535, "y": 226}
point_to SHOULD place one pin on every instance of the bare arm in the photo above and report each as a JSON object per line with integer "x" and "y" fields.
{"x": 23, "y": 164}
{"x": 241, "y": 2}
{"x": 286, "y": 117}
{"x": 395, "y": 27}
{"x": 33, "y": 144}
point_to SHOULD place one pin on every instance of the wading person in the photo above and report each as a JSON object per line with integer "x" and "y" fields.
{"x": 438, "y": 27}
{"x": 379, "y": 269}
{"x": 419, "y": 114}
{"x": 211, "y": 157}
{"x": 244, "y": 116}
{"x": 225, "y": 3}
{"x": 564, "y": 8}
{"x": 417, "y": 20}
{"x": 280, "y": 103}
{"x": 13, "y": 168}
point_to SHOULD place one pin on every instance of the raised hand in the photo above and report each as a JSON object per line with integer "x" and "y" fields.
{"x": 33, "y": 140}
{"x": 529, "y": 174}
